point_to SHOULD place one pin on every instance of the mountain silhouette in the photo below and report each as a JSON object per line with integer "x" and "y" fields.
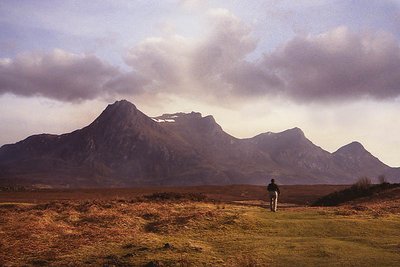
{"x": 124, "y": 147}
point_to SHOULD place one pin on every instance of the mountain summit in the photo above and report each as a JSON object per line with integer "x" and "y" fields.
{"x": 124, "y": 147}
{"x": 354, "y": 148}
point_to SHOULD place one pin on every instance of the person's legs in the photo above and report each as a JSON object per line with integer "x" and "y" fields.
{"x": 271, "y": 203}
{"x": 276, "y": 201}
{"x": 273, "y": 200}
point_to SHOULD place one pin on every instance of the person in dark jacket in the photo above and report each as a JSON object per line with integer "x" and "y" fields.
{"x": 273, "y": 191}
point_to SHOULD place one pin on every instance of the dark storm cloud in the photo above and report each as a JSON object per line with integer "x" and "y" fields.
{"x": 63, "y": 76}
{"x": 337, "y": 65}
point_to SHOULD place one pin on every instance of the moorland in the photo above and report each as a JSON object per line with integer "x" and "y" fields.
{"x": 196, "y": 226}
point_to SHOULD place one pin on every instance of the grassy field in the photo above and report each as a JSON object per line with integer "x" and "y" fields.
{"x": 186, "y": 232}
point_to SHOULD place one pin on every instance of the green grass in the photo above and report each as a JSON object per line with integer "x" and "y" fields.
{"x": 301, "y": 238}
{"x": 206, "y": 234}
{"x": 16, "y": 204}
{"x": 255, "y": 237}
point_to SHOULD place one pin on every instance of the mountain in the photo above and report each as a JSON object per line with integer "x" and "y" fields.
{"x": 234, "y": 159}
{"x": 301, "y": 159}
{"x": 354, "y": 158}
{"x": 124, "y": 147}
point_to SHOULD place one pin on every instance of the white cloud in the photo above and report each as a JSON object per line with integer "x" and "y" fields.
{"x": 200, "y": 66}
{"x": 161, "y": 60}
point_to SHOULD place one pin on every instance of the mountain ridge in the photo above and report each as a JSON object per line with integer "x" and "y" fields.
{"x": 125, "y": 147}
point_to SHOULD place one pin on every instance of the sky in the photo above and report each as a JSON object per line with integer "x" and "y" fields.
{"x": 329, "y": 67}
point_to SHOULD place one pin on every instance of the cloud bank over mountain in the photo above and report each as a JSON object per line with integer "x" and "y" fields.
{"x": 335, "y": 65}
{"x": 328, "y": 67}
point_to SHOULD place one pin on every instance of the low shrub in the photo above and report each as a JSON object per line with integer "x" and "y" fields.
{"x": 362, "y": 184}
{"x": 362, "y": 188}
{"x": 172, "y": 196}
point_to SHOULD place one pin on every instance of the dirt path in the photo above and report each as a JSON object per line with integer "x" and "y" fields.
{"x": 265, "y": 204}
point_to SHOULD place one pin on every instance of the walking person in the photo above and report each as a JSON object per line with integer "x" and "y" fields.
{"x": 273, "y": 191}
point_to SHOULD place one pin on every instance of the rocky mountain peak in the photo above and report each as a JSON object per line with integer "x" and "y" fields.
{"x": 120, "y": 113}
{"x": 294, "y": 132}
{"x": 178, "y": 117}
{"x": 121, "y": 106}
{"x": 287, "y": 136}
{"x": 191, "y": 124}
{"x": 192, "y": 118}
{"x": 354, "y": 148}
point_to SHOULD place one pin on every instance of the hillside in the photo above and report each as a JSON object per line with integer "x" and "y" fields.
{"x": 383, "y": 201}
{"x": 124, "y": 147}
{"x": 360, "y": 192}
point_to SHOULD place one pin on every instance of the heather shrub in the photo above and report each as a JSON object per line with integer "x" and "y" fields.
{"x": 363, "y": 187}
{"x": 362, "y": 184}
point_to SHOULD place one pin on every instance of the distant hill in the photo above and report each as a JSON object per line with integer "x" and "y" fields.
{"x": 361, "y": 193}
{"x": 124, "y": 147}
{"x": 385, "y": 200}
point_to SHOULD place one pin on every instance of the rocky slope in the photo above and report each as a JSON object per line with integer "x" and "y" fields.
{"x": 124, "y": 147}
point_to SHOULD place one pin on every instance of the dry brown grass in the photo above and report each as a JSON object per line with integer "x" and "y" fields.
{"x": 296, "y": 194}
{"x": 384, "y": 202}
{"x": 66, "y": 232}
{"x": 176, "y": 230}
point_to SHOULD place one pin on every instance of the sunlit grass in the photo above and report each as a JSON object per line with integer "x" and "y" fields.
{"x": 188, "y": 233}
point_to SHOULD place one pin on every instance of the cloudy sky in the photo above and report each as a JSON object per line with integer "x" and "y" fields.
{"x": 330, "y": 67}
